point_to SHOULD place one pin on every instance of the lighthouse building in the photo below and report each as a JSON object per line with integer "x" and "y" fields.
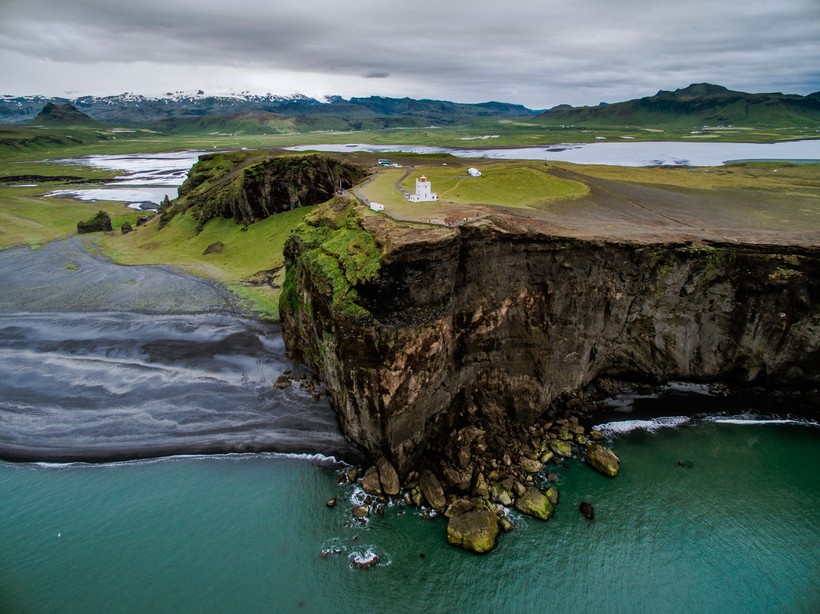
{"x": 424, "y": 191}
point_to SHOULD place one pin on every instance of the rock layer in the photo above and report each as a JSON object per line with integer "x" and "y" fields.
{"x": 491, "y": 322}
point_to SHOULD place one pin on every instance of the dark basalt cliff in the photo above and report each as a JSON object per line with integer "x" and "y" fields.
{"x": 420, "y": 330}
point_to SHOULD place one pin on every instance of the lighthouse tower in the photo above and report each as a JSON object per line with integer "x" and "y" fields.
{"x": 424, "y": 191}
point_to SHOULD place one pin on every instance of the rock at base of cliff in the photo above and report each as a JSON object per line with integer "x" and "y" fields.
{"x": 371, "y": 483}
{"x": 476, "y": 531}
{"x": 431, "y": 489}
{"x": 388, "y": 476}
{"x": 99, "y": 223}
{"x": 561, "y": 448}
{"x": 533, "y": 503}
{"x": 603, "y": 460}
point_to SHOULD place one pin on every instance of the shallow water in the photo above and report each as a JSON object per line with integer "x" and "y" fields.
{"x": 641, "y": 153}
{"x": 148, "y": 180}
{"x": 738, "y": 531}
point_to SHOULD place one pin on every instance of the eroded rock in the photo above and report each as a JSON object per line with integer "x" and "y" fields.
{"x": 603, "y": 460}
{"x": 534, "y": 503}
{"x": 476, "y": 530}
{"x": 388, "y": 477}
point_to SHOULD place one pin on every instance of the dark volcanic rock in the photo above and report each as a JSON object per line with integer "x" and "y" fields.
{"x": 126, "y": 228}
{"x": 491, "y": 324}
{"x": 99, "y": 223}
{"x": 586, "y": 509}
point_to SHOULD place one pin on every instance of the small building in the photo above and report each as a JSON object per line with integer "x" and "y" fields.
{"x": 424, "y": 191}
{"x": 385, "y": 162}
{"x": 376, "y": 206}
{"x": 474, "y": 172}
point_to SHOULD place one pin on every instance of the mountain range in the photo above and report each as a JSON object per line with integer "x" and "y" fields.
{"x": 696, "y": 105}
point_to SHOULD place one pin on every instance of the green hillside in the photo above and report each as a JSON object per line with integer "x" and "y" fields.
{"x": 698, "y": 105}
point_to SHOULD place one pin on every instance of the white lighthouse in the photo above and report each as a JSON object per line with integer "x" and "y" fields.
{"x": 423, "y": 191}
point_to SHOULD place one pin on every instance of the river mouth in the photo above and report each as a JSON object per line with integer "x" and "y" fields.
{"x": 100, "y": 362}
{"x": 148, "y": 180}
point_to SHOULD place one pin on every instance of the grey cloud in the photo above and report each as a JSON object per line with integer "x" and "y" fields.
{"x": 541, "y": 52}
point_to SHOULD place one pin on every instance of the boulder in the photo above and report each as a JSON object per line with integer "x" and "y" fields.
{"x": 361, "y": 511}
{"x": 126, "y": 228}
{"x": 99, "y": 223}
{"x": 331, "y": 502}
{"x": 481, "y": 489}
{"x": 431, "y": 489}
{"x": 500, "y": 495}
{"x": 586, "y": 509}
{"x": 214, "y": 248}
{"x": 388, "y": 477}
{"x": 533, "y": 503}
{"x": 561, "y": 448}
{"x": 552, "y": 495}
{"x": 531, "y": 466}
{"x": 371, "y": 483}
{"x": 142, "y": 220}
{"x": 476, "y": 531}
{"x": 603, "y": 460}
{"x": 459, "y": 507}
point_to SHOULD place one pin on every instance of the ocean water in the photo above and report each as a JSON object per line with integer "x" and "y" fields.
{"x": 737, "y": 531}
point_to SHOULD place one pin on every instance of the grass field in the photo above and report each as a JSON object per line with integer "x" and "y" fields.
{"x": 507, "y": 184}
{"x": 28, "y": 218}
{"x": 241, "y": 264}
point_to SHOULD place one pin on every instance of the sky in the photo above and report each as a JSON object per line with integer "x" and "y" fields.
{"x": 539, "y": 53}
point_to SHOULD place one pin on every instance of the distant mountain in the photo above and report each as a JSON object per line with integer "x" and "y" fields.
{"x": 700, "y": 104}
{"x": 375, "y": 110}
{"x": 54, "y": 114}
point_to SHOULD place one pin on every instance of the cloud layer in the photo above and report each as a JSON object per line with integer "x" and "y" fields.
{"x": 535, "y": 52}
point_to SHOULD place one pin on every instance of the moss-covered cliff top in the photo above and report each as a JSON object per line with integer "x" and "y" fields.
{"x": 339, "y": 253}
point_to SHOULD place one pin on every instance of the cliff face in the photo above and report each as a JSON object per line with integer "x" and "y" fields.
{"x": 498, "y": 322}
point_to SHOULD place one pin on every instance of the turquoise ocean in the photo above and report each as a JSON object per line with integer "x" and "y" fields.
{"x": 736, "y": 529}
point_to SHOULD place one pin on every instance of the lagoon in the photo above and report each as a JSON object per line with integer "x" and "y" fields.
{"x": 641, "y": 153}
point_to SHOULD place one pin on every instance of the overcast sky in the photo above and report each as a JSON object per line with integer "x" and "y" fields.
{"x": 535, "y": 52}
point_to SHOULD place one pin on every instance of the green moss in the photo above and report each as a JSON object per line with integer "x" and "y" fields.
{"x": 338, "y": 254}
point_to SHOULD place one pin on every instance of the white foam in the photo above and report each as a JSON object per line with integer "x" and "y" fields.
{"x": 622, "y": 427}
{"x": 318, "y": 459}
{"x": 754, "y": 420}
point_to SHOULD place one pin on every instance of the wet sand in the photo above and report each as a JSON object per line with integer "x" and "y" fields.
{"x": 101, "y": 362}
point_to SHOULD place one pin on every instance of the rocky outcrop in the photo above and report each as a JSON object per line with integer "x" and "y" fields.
{"x": 101, "y": 222}
{"x": 417, "y": 331}
{"x": 251, "y": 186}
{"x": 476, "y": 530}
{"x": 603, "y": 460}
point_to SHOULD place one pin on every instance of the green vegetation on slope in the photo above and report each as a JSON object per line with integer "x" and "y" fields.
{"x": 332, "y": 244}
{"x": 249, "y": 263}
{"x": 696, "y": 106}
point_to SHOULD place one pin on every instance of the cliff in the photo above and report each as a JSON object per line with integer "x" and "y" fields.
{"x": 250, "y": 186}
{"x": 420, "y": 330}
